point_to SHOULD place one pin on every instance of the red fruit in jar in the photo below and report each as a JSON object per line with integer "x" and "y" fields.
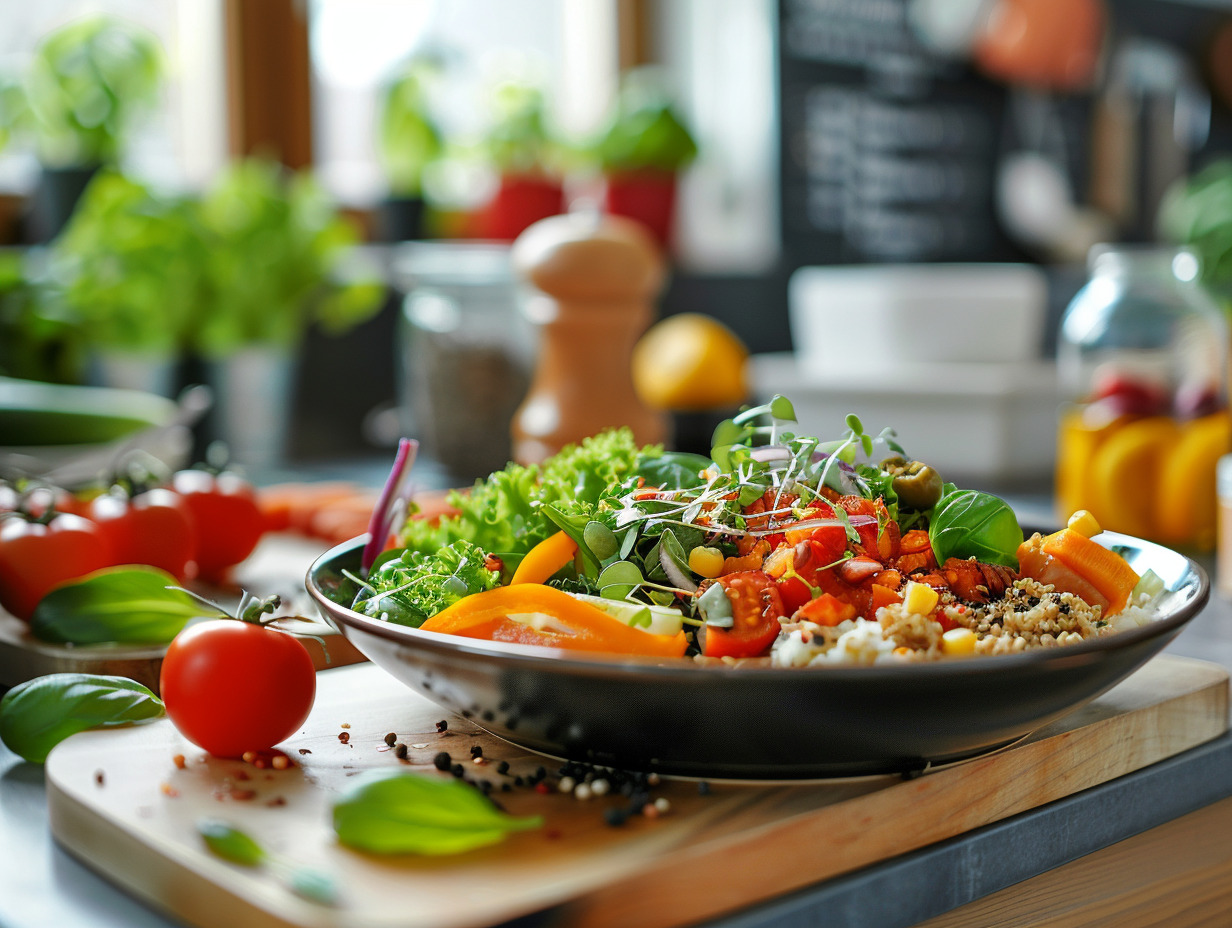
{"x": 1195, "y": 400}
{"x": 1125, "y": 395}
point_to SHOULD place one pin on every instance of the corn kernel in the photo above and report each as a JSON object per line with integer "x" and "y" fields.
{"x": 919, "y": 598}
{"x": 1084, "y": 523}
{"x": 706, "y": 562}
{"x": 958, "y": 642}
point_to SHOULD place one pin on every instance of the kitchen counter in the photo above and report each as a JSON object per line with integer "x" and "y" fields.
{"x": 1165, "y": 824}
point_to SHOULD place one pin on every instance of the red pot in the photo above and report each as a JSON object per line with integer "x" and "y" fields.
{"x": 647, "y": 196}
{"x": 520, "y": 201}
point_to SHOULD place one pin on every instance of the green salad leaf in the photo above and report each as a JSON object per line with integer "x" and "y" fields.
{"x": 129, "y": 605}
{"x": 968, "y": 523}
{"x": 413, "y": 587}
{"x": 392, "y": 812}
{"x": 37, "y": 715}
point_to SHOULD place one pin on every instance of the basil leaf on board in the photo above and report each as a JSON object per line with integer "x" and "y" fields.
{"x": 392, "y": 812}
{"x": 37, "y": 715}
{"x": 127, "y": 605}
{"x": 229, "y": 843}
{"x": 968, "y": 523}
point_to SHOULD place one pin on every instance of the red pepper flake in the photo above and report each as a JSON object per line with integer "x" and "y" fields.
{"x": 493, "y": 563}
{"x": 280, "y": 762}
{"x": 345, "y": 725}
{"x": 276, "y": 801}
{"x": 168, "y": 790}
{"x": 542, "y": 789}
{"x": 304, "y": 751}
{"x": 178, "y": 760}
{"x": 242, "y": 795}
{"x": 248, "y": 756}
{"x": 260, "y": 763}
{"x": 552, "y": 834}
{"x": 98, "y": 778}
{"x": 241, "y": 774}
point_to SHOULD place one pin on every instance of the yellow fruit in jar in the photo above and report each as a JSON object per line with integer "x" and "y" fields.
{"x": 1185, "y": 500}
{"x": 690, "y": 362}
{"x": 1125, "y": 473}
{"x": 1077, "y": 443}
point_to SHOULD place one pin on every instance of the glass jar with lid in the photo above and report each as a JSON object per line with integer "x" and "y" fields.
{"x": 1142, "y": 353}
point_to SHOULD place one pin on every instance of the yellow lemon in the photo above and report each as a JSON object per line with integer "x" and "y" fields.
{"x": 1125, "y": 472}
{"x": 1185, "y": 503}
{"x": 690, "y": 362}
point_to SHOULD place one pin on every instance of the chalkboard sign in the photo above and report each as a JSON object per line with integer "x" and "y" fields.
{"x": 889, "y": 151}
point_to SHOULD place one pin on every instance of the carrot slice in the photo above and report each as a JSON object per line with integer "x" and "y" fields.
{"x": 572, "y": 624}
{"x": 1105, "y": 570}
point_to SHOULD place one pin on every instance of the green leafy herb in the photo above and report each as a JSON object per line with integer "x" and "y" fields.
{"x": 968, "y": 523}
{"x": 412, "y": 588}
{"x": 673, "y": 470}
{"x": 619, "y": 579}
{"x": 37, "y": 715}
{"x": 392, "y": 812}
{"x": 230, "y": 843}
{"x": 130, "y": 605}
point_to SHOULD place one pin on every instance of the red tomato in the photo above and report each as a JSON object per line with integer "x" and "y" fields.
{"x": 35, "y": 557}
{"x": 154, "y": 528}
{"x": 226, "y": 518}
{"x": 232, "y": 686}
{"x": 826, "y": 610}
{"x": 756, "y": 607}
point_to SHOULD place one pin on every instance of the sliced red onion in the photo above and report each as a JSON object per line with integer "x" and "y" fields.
{"x": 392, "y": 506}
{"x": 680, "y": 580}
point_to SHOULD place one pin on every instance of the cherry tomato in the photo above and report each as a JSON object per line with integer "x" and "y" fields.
{"x": 154, "y": 528}
{"x": 227, "y": 521}
{"x": 36, "y": 556}
{"x": 232, "y": 686}
{"x": 756, "y": 607}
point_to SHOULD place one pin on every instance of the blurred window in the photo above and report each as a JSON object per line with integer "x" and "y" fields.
{"x": 181, "y": 143}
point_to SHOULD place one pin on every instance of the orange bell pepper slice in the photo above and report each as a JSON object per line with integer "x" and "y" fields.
{"x": 545, "y": 558}
{"x": 573, "y": 625}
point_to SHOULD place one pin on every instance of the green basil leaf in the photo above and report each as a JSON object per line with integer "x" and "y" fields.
{"x": 37, "y": 715}
{"x": 392, "y": 812}
{"x": 673, "y": 470}
{"x": 230, "y": 843}
{"x": 968, "y": 523}
{"x": 128, "y": 605}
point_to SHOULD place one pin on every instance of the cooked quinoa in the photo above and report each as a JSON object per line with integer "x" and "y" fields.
{"x": 1031, "y": 615}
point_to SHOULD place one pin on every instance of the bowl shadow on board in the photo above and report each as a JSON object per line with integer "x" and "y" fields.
{"x": 679, "y": 717}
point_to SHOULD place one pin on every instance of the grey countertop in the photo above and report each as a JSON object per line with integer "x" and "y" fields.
{"x": 40, "y": 884}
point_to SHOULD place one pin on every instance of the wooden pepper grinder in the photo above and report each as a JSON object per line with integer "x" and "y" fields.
{"x": 594, "y": 279}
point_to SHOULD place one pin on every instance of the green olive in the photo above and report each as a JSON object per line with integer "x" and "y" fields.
{"x": 918, "y": 486}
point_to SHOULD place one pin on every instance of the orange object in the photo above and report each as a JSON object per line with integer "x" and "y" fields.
{"x": 575, "y": 625}
{"x": 827, "y": 610}
{"x": 545, "y": 558}
{"x": 1054, "y": 44}
{"x": 1105, "y": 570}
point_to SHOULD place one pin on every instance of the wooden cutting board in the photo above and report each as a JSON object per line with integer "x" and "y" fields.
{"x": 119, "y": 802}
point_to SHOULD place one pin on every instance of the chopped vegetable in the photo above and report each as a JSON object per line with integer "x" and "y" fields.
{"x": 545, "y": 558}
{"x": 410, "y": 588}
{"x": 1103, "y": 569}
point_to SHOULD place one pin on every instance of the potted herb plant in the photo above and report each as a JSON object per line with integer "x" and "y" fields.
{"x": 86, "y": 83}
{"x": 408, "y": 142}
{"x": 276, "y": 261}
{"x": 641, "y": 154}
{"x": 128, "y": 274}
{"x": 522, "y": 153}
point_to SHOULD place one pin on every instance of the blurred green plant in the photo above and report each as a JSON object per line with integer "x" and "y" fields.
{"x": 645, "y": 131}
{"x": 1197, "y": 211}
{"x": 129, "y": 266}
{"x": 409, "y": 139}
{"x": 86, "y": 83}
{"x": 37, "y": 340}
{"x": 518, "y": 142}
{"x": 275, "y": 257}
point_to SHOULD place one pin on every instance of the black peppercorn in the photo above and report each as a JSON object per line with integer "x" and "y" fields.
{"x": 442, "y": 761}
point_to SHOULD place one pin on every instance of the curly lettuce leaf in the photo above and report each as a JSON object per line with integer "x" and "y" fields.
{"x": 411, "y": 588}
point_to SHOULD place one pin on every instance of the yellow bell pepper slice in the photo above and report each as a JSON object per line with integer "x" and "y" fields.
{"x": 572, "y": 625}
{"x": 545, "y": 558}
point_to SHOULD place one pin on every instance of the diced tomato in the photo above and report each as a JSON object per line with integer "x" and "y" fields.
{"x": 756, "y": 608}
{"x": 831, "y": 583}
{"x": 826, "y": 609}
{"x": 888, "y": 539}
{"x": 794, "y": 593}
{"x": 890, "y": 579}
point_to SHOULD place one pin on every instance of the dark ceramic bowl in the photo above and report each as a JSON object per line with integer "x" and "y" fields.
{"x": 680, "y": 717}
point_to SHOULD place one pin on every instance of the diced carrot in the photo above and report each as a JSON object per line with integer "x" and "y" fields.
{"x": 1105, "y": 570}
{"x": 825, "y": 610}
{"x": 882, "y": 596}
